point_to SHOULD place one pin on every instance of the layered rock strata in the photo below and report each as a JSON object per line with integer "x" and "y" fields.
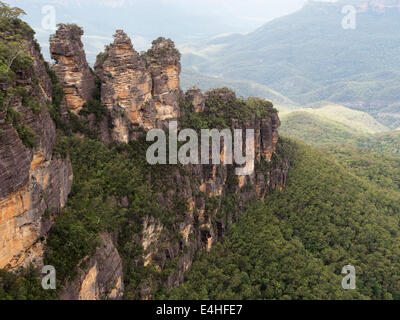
{"x": 140, "y": 91}
{"x": 32, "y": 180}
{"x": 71, "y": 67}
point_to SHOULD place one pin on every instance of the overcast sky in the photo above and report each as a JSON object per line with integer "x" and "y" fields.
{"x": 144, "y": 20}
{"x": 248, "y": 14}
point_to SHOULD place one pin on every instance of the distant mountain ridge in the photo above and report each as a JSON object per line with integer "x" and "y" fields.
{"x": 309, "y": 57}
{"x": 358, "y": 121}
{"x": 321, "y": 128}
{"x": 244, "y": 88}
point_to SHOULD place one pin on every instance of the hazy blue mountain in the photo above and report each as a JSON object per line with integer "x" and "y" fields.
{"x": 308, "y": 57}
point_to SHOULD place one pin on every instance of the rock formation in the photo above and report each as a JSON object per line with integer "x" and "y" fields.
{"x": 197, "y": 99}
{"x": 164, "y": 64}
{"x": 71, "y": 67}
{"x": 140, "y": 91}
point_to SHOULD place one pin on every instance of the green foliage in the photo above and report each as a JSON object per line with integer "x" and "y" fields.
{"x": 103, "y": 177}
{"x": 358, "y": 121}
{"x": 316, "y": 130}
{"x": 27, "y": 136}
{"x": 57, "y": 98}
{"x": 13, "y": 43}
{"x": 14, "y": 58}
{"x": 388, "y": 142}
{"x": 7, "y": 12}
{"x": 168, "y": 49}
{"x": 323, "y": 132}
{"x": 31, "y": 103}
{"x": 100, "y": 178}
{"x": 221, "y": 107}
{"x": 381, "y": 169}
{"x": 294, "y": 245}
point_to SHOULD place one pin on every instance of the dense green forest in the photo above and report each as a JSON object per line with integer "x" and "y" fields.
{"x": 317, "y": 130}
{"x": 294, "y": 245}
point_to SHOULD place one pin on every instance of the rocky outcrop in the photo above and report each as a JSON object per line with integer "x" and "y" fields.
{"x": 140, "y": 91}
{"x": 164, "y": 63}
{"x": 71, "y": 67}
{"x": 205, "y": 189}
{"x": 126, "y": 87}
{"x": 101, "y": 279}
{"x": 31, "y": 179}
{"x": 196, "y": 98}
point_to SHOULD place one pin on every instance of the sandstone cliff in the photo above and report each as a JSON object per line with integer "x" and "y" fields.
{"x": 140, "y": 91}
{"x": 196, "y": 98}
{"x": 32, "y": 179}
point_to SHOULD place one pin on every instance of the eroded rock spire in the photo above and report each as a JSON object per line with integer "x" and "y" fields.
{"x": 71, "y": 67}
{"x": 139, "y": 90}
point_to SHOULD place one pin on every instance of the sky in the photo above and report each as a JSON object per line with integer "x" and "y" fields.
{"x": 144, "y": 20}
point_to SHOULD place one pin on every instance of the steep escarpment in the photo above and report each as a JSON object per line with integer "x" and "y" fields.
{"x": 295, "y": 244}
{"x": 210, "y": 196}
{"x": 32, "y": 178}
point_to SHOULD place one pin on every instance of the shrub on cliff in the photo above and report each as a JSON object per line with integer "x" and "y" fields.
{"x": 23, "y": 284}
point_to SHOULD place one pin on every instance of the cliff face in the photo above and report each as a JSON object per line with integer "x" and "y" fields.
{"x": 206, "y": 188}
{"x": 196, "y": 98}
{"x": 71, "y": 67}
{"x": 140, "y": 91}
{"x": 32, "y": 179}
{"x": 203, "y": 223}
{"x": 102, "y": 278}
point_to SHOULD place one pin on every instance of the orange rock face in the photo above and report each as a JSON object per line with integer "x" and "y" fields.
{"x": 140, "y": 91}
{"x": 71, "y": 66}
{"x": 31, "y": 179}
